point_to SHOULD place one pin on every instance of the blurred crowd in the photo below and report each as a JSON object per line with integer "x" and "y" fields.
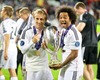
{"x": 50, "y": 5}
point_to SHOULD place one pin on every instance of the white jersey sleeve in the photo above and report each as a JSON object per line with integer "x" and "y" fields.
{"x": 26, "y": 44}
{"x": 73, "y": 39}
{"x": 18, "y": 24}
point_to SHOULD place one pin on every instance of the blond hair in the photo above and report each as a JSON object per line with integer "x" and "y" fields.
{"x": 9, "y": 10}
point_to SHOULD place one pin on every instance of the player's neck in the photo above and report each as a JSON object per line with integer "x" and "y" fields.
{"x": 5, "y": 17}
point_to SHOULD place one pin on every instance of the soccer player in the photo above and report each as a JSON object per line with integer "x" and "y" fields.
{"x": 71, "y": 45}
{"x": 26, "y": 15}
{"x": 87, "y": 26}
{"x": 10, "y": 50}
{"x": 36, "y": 58}
{"x": 28, "y": 20}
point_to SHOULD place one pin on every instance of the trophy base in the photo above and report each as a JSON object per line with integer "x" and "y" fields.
{"x": 53, "y": 63}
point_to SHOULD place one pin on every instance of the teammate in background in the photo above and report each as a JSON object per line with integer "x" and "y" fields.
{"x": 36, "y": 57}
{"x": 71, "y": 45}
{"x": 87, "y": 26}
{"x": 10, "y": 50}
{"x": 18, "y": 24}
{"x": 28, "y": 20}
{"x": 26, "y": 15}
{"x": 1, "y": 53}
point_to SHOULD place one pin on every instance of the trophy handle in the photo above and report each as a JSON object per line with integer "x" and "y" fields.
{"x": 57, "y": 41}
{"x": 49, "y": 51}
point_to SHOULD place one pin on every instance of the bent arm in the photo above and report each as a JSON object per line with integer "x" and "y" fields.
{"x": 81, "y": 26}
{"x": 72, "y": 56}
{"x": 24, "y": 46}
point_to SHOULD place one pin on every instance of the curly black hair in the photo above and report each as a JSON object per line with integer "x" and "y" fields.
{"x": 69, "y": 10}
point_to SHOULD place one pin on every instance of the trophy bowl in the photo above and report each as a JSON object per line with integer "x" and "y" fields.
{"x": 52, "y": 42}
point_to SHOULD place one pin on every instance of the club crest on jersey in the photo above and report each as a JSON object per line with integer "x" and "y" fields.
{"x": 77, "y": 44}
{"x": 22, "y": 43}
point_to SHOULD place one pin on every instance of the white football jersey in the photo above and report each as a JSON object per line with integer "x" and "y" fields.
{"x": 9, "y": 27}
{"x": 18, "y": 24}
{"x": 72, "y": 41}
{"x": 34, "y": 62}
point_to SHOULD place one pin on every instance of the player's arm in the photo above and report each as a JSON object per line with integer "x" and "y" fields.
{"x": 27, "y": 44}
{"x": 72, "y": 56}
{"x": 81, "y": 26}
{"x": 24, "y": 45}
{"x": 16, "y": 39}
{"x": 6, "y": 43}
{"x": 6, "y": 34}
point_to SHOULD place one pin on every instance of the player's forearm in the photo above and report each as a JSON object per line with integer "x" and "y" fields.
{"x": 80, "y": 26}
{"x": 6, "y": 42}
{"x": 16, "y": 40}
{"x": 72, "y": 56}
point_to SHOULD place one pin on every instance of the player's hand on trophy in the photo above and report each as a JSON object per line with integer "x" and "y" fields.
{"x": 56, "y": 66}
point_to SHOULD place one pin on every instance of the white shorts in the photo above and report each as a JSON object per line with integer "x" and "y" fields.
{"x": 71, "y": 75}
{"x": 12, "y": 59}
{"x": 39, "y": 75}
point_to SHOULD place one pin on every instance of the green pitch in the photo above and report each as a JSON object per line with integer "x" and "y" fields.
{"x": 54, "y": 72}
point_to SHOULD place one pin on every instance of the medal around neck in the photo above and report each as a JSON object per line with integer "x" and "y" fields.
{"x": 53, "y": 44}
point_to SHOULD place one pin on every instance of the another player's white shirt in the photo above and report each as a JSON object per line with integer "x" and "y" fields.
{"x": 33, "y": 62}
{"x": 29, "y": 23}
{"x": 9, "y": 27}
{"x": 18, "y": 24}
{"x": 72, "y": 41}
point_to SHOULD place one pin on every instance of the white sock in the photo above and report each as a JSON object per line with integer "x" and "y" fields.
{"x": 14, "y": 78}
{"x": 2, "y": 77}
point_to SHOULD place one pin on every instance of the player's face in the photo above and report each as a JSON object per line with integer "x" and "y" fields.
{"x": 64, "y": 20}
{"x": 40, "y": 20}
{"x": 24, "y": 16}
{"x": 78, "y": 11}
{"x": 2, "y": 12}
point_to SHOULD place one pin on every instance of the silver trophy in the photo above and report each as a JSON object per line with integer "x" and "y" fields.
{"x": 52, "y": 40}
